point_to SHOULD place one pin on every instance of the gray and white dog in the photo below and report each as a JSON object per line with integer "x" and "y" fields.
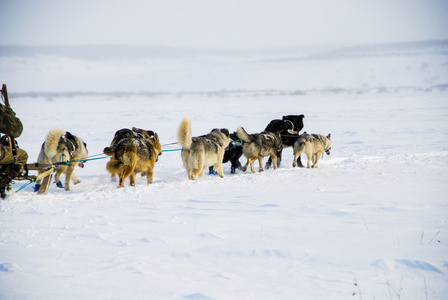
{"x": 313, "y": 145}
{"x": 258, "y": 145}
{"x": 201, "y": 152}
{"x": 61, "y": 148}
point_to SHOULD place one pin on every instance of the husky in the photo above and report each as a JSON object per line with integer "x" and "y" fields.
{"x": 133, "y": 155}
{"x": 201, "y": 152}
{"x": 130, "y": 133}
{"x": 233, "y": 153}
{"x": 61, "y": 146}
{"x": 258, "y": 145}
{"x": 289, "y": 127}
{"x": 313, "y": 145}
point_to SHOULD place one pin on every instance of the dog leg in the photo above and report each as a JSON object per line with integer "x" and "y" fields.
{"x": 235, "y": 165}
{"x": 294, "y": 160}
{"x": 194, "y": 174}
{"x": 318, "y": 155}
{"x": 299, "y": 162}
{"x": 202, "y": 173}
{"x": 260, "y": 164}
{"x": 275, "y": 160}
{"x": 211, "y": 171}
{"x": 297, "y": 153}
{"x": 57, "y": 177}
{"x": 75, "y": 179}
{"x": 149, "y": 175}
{"x": 126, "y": 171}
{"x": 268, "y": 163}
{"x": 68, "y": 175}
{"x": 309, "y": 161}
{"x": 219, "y": 169}
{"x": 121, "y": 181}
{"x": 132, "y": 179}
{"x": 278, "y": 158}
{"x": 252, "y": 167}
{"x": 246, "y": 165}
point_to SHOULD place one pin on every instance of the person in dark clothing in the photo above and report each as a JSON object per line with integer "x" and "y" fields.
{"x": 12, "y": 158}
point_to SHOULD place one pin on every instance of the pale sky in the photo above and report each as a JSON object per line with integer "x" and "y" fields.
{"x": 231, "y": 24}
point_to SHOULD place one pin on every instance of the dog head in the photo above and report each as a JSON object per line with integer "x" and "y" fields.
{"x": 328, "y": 144}
{"x": 143, "y": 133}
{"x": 224, "y": 131}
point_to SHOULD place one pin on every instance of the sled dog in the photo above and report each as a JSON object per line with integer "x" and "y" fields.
{"x": 61, "y": 146}
{"x": 130, "y": 133}
{"x": 203, "y": 151}
{"x": 133, "y": 155}
{"x": 258, "y": 145}
{"x": 288, "y": 127}
{"x": 313, "y": 145}
{"x": 233, "y": 153}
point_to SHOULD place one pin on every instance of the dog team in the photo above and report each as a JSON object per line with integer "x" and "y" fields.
{"x": 135, "y": 150}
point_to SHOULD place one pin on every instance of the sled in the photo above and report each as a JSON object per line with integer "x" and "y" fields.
{"x": 46, "y": 175}
{"x": 45, "y": 171}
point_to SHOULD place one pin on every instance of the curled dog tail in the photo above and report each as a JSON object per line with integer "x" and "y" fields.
{"x": 184, "y": 133}
{"x": 52, "y": 141}
{"x": 242, "y": 134}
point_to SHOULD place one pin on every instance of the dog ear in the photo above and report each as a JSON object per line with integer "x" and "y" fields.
{"x": 225, "y": 131}
{"x": 69, "y": 136}
{"x": 329, "y": 136}
{"x": 156, "y": 136}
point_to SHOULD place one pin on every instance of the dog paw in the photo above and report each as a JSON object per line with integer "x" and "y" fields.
{"x": 76, "y": 181}
{"x": 36, "y": 187}
{"x": 59, "y": 184}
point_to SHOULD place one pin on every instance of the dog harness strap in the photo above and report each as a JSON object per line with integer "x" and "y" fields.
{"x": 70, "y": 145}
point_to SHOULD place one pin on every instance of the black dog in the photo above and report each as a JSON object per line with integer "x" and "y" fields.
{"x": 289, "y": 128}
{"x": 233, "y": 153}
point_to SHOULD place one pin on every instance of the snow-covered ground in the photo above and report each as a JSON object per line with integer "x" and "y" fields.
{"x": 371, "y": 223}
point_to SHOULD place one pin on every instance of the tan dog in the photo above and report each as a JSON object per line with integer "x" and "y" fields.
{"x": 61, "y": 146}
{"x": 313, "y": 145}
{"x": 201, "y": 152}
{"x": 132, "y": 155}
{"x": 258, "y": 145}
{"x": 129, "y": 133}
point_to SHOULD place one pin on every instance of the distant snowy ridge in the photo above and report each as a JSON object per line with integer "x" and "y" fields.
{"x": 107, "y": 52}
{"x": 237, "y": 93}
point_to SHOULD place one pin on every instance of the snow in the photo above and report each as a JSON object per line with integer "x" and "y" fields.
{"x": 371, "y": 222}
